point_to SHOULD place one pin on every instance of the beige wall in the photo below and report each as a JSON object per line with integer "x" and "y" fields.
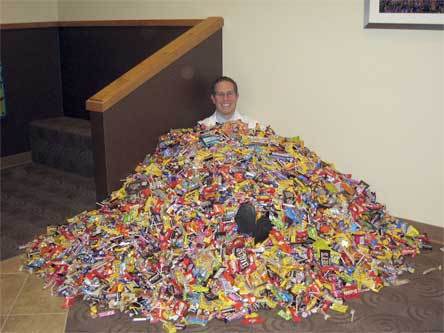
{"x": 18, "y": 11}
{"x": 371, "y": 101}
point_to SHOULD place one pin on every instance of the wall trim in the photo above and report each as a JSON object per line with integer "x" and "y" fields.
{"x": 107, "y": 23}
{"x": 28, "y": 25}
{"x": 138, "y": 23}
{"x": 15, "y": 160}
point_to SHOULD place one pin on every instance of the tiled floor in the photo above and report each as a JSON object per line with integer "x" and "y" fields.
{"x": 25, "y": 306}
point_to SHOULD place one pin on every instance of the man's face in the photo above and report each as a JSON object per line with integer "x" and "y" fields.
{"x": 225, "y": 98}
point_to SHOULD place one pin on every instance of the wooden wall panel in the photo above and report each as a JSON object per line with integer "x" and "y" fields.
{"x": 51, "y": 70}
{"x": 92, "y": 57}
{"x": 31, "y": 71}
{"x": 176, "y": 97}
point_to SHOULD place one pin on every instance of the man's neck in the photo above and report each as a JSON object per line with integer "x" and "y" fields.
{"x": 222, "y": 118}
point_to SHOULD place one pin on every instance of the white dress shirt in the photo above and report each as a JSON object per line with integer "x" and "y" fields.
{"x": 220, "y": 118}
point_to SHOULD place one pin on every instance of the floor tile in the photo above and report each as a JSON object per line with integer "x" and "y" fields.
{"x": 35, "y": 300}
{"x": 12, "y": 266}
{"x": 53, "y": 323}
{"x": 2, "y": 321}
{"x": 10, "y": 285}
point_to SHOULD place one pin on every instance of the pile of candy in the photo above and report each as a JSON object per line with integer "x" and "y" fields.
{"x": 165, "y": 248}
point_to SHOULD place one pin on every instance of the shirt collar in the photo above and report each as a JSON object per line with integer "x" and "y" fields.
{"x": 221, "y": 118}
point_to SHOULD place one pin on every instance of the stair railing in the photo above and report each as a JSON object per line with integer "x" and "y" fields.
{"x": 169, "y": 89}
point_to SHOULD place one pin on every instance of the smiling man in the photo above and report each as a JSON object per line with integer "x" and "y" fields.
{"x": 224, "y": 94}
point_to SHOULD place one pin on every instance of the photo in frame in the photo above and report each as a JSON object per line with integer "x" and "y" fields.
{"x": 404, "y": 14}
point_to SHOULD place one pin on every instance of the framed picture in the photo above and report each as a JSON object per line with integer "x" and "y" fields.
{"x": 404, "y": 14}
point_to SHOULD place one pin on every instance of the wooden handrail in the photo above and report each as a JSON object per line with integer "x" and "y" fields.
{"x": 148, "y": 68}
{"x": 110, "y": 23}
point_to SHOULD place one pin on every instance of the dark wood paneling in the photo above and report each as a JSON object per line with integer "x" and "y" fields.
{"x": 177, "y": 97}
{"x": 93, "y": 57}
{"x": 31, "y": 70}
{"x": 52, "y": 71}
{"x": 148, "y": 68}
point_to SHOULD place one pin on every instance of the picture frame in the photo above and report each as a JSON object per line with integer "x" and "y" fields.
{"x": 374, "y": 19}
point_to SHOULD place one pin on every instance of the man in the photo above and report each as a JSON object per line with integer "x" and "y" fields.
{"x": 224, "y": 95}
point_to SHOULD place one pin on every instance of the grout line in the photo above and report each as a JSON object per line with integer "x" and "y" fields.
{"x": 66, "y": 320}
{"x": 37, "y": 314}
{"x": 15, "y": 301}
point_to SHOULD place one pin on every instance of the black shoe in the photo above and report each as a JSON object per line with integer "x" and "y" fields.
{"x": 246, "y": 219}
{"x": 263, "y": 228}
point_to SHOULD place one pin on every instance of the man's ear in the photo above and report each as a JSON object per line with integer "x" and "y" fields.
{"x": 213, "y": 99}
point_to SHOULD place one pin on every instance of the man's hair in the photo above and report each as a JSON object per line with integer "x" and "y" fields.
{"x": 221, "y": 79}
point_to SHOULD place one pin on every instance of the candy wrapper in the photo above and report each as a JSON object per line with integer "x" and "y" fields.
{"x": 165, "y": 247}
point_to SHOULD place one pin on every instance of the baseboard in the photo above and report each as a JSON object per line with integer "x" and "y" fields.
{"x": 434, "y": 232}
{"x": 15, "y": 160}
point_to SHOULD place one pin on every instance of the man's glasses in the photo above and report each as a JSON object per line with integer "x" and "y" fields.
{"x": 230, "y": 93}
